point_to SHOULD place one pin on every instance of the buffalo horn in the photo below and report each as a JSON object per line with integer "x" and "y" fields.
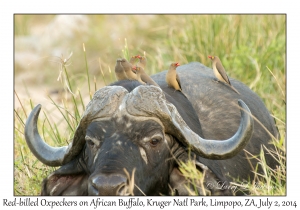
{"x": 219, "y": 149}
{"x": 51, "y": 156}
{"x": 105, "y": 102}
{"x": 150, "y": 100}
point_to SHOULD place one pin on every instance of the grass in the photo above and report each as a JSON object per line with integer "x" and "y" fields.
{"x": 251, "y": 47}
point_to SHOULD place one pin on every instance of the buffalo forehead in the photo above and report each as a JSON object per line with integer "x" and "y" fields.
{"x": 105, "y": 102}
{"x": 99, "y": 129}
{"x": 147, "y": 101}
{"x": 144, "y": 102}
{"x": 130, "y": 126}
{"x": 150, "y": 101}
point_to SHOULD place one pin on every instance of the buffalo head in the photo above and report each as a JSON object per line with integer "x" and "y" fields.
{"x": 124, "y": 134}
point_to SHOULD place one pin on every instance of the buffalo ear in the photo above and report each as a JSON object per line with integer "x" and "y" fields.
{"x": 181, "y": 185}
{"x": 69, "y": 179}
{"x": 178, "y": 183}
{"x": 56, "y": 184}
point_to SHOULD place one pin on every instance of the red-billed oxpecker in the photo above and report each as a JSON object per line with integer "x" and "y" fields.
{"x": 219, "y": 71}
{"x": 172, "y": 77}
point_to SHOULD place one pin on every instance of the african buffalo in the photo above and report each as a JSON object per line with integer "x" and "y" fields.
{"x": 146, "y": 131}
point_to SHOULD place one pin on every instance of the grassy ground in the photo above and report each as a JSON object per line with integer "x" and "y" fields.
{"x": 251, "y": 47}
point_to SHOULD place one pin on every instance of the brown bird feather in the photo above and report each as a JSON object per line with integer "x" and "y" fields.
{"x": 138, "y": 74}
{"x": 145, "y": 78}
{"x": 119, "y": 71}
{"x": 172, "y": 77}
{"x": 128, "y": 69}
{"x": 220, "y": 72}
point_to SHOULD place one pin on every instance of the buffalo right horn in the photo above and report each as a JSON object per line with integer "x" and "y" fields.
{"x": 218, "y": 149}
{"x": 151, "y": 101}
{"x": 51, "y": 156}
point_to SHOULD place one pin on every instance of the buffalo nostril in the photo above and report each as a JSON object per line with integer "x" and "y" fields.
{"x": 108, "y": 184}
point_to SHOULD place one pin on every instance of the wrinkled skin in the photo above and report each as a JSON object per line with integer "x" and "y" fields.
{"x": 213, "y": 102}
{"x": 152, "y": 141}
{"x": 101, "y": 172}
{"x": 145, "y": 144}
{"x": 110, "y": 148}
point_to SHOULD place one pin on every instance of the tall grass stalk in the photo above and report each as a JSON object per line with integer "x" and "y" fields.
{"x": 125, "y": 50}
{"x": 20, "y": 103}
{"x": 81, "y": 100}
{"x": 111, "y": 74}
{"x": 102, "y": 72}
{"x": 77, "y": 115}
{"x": 67, "y": 119}
{"x": 87, "y": 71}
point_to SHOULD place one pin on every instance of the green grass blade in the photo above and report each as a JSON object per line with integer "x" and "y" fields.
{"x": 87, "y": 71}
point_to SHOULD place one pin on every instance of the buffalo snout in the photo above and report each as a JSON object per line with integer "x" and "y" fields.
{"x": 108, "y": 184}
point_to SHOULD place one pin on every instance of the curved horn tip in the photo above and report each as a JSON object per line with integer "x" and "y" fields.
{"x": 38, "y": 108}
{"x": 33, "y": 114}
{"x": 47, "y": 154}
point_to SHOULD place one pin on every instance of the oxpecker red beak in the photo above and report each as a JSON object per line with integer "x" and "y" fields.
{"x": 210, "y": 56}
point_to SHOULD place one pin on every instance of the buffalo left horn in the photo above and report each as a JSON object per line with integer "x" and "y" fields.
{"x": 105, "y": 102}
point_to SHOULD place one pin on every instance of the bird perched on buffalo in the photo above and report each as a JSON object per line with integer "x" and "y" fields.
{"x": 119, "y": 71}
{"x": 219, "y": 71}
{"x": 138, "y": 74}
{"x": 172, "y": 77}
{"x": 128, "y": 69}
{"x": 144, "y": 78}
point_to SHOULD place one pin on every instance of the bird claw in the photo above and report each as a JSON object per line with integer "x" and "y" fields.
{"x": 215, "y": 80}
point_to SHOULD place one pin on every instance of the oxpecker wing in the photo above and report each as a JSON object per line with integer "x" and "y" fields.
{"x": 172, "y": 78}
{"x": 138, "y": 74}
{"x": 178, "y": 80}
{"x": 145, "y": 79}
{"x": 220, "y": 72}
{"x": 128, "y": 69}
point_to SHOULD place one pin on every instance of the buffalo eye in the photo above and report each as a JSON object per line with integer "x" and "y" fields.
{"x": 90, "y": 143}
{"x": 154, "y": 142}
